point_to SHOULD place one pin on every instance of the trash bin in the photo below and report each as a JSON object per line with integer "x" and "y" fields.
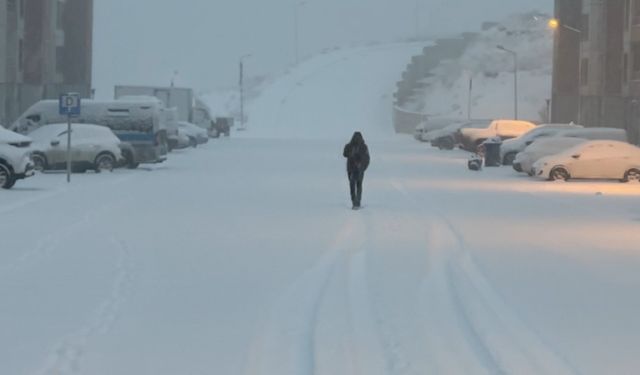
{"x": 475, "y": 162}
{"x": 492, "y": 152}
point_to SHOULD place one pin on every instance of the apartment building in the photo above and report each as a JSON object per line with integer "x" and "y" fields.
{"x": 45, "y": 50}
{"x": 596, "y": 67}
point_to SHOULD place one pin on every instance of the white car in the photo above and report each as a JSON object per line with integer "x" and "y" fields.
{"x": 541, "y": 148}
{"x": 511, "y": 147}
{"x": 15, "y": 158}
{"x": 92, "y": 147}
{"x": 594, "y": 134}
{"x": 196, "y": 134}
{"x": 592, "y": 160}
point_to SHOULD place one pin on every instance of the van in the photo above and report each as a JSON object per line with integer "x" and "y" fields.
{"x": 139, "y": 123}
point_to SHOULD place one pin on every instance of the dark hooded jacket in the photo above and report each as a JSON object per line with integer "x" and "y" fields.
{"x": 357, "y": 154}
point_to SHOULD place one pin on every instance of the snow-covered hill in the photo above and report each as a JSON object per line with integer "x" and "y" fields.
{"x": 491, "y": 69}
{"x": 332, "y": 94}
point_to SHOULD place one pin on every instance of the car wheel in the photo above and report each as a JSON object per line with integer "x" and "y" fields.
{"x": 509, "y": 158}
{"x": 104, "y": 162}
{"x": 559, "y": 174}
{"x": 632, "y": 175}
{"x": 446, "y": 144}
{"x": 6, "y": 177}
{"x": 39, "y": 162}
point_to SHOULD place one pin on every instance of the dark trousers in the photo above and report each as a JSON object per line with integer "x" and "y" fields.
{"x": 355, "y": 184}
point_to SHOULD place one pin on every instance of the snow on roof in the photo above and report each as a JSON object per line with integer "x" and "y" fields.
{"x": 48, "y": 132}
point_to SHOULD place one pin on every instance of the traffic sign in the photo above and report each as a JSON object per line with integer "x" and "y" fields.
{"x": 69, "y": 104}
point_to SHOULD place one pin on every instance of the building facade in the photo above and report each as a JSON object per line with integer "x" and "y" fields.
{"x": 596, "y": 67}
{"x": 45, "y": 50}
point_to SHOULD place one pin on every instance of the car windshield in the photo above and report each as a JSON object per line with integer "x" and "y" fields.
{"x": 330, "y": 187}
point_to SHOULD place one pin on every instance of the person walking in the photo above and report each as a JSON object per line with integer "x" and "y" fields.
{"x": 357, "y": 154}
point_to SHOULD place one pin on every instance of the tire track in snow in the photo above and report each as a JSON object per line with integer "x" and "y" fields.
{"x": 496, "y": 340}
{"x": 65, "y": 358}
{"x": 323, "y": 324}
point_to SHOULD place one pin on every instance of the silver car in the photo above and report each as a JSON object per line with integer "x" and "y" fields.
{"x": 93, "y": 147}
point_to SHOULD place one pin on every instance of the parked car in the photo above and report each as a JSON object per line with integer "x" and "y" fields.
{"x": 511, "y": 147}
{"x": 601, "y": 133}
{"x": 196, "y": 134}
{"x": 471, "y": 138}
{"x": 541, "y": 148}
{"x": 592, "y": 160}
{"x": 446, "y": 139}
{"x": 15, "y": 158}
{"x": 433, "y": 124}
{"x": 92, "y": 147}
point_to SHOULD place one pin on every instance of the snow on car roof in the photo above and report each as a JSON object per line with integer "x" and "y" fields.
{"x": 610, "y": 147}
{"x": 7, "y": 136}
{"x": 47, "y": 132}
{"x": 554, "y": 142}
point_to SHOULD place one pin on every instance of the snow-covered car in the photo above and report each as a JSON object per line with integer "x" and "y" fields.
{"x": 180, "y": 140}
{"x": 471, "y": 138}
{"x": 196, "y": 134}
{"x": 446, "y": 138}
{"x": 541, "y": 148}
{"x": 511, "y": 147}
{"x": 93, "y": 147}
{"x": 600, "y": 133}
{"x": 592, "y": 160}
{"x": 15, "y": 158}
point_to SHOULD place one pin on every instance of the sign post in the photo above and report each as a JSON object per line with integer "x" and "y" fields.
{"x": 69, "y": 105}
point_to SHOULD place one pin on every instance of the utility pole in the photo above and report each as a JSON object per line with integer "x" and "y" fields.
{"x": 241, "y": 85}
{"x": 515, "y": 79}
{"x": 296, "y": 29}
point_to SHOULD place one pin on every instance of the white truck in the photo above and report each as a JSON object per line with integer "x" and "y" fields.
{"x": 190, "y": 108}
{"x": 471, "y": 138}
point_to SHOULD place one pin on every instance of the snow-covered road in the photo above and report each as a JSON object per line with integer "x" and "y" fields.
{"x": 243, "y": 257}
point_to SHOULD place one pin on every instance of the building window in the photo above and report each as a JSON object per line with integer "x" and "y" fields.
{"x": 584, "y": 72}
{"x": 584, "y": 27}
{"x": 20, "y": 55}
{"x": 627, "y": 13}
{"x": 635, "y": 61}
{"x": 636, "y": 12}
{"x": 22, "y": 8}
{"x": 11, "y": 6}
{"x": 625, "y": 67}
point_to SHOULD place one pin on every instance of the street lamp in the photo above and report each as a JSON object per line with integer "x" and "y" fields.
{"x": 515, "y": 78}
{"x": 241, "y": 84}
{"x": 296, "y": 32}
{"x": 555, "y": 24}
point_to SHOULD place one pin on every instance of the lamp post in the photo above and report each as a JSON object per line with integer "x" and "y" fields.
{"x": 241, "y": 85}
{"x": 555, "y": 24}
{"x": 515, "y": 78}
{"x": 296, "y": 31}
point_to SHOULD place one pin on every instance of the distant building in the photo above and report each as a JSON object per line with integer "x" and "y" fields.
{"x": 45, "y": 50}
{"x": 596, "y": 67}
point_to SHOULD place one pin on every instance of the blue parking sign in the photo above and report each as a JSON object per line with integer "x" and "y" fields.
{"x": 69, "y": 104}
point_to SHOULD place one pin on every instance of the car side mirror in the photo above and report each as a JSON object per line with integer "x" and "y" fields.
{"x": 576, "y": 156}
{"x": 55, "y": 143}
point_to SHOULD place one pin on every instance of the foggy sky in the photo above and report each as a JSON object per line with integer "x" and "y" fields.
{"x": 145, "y": 41}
